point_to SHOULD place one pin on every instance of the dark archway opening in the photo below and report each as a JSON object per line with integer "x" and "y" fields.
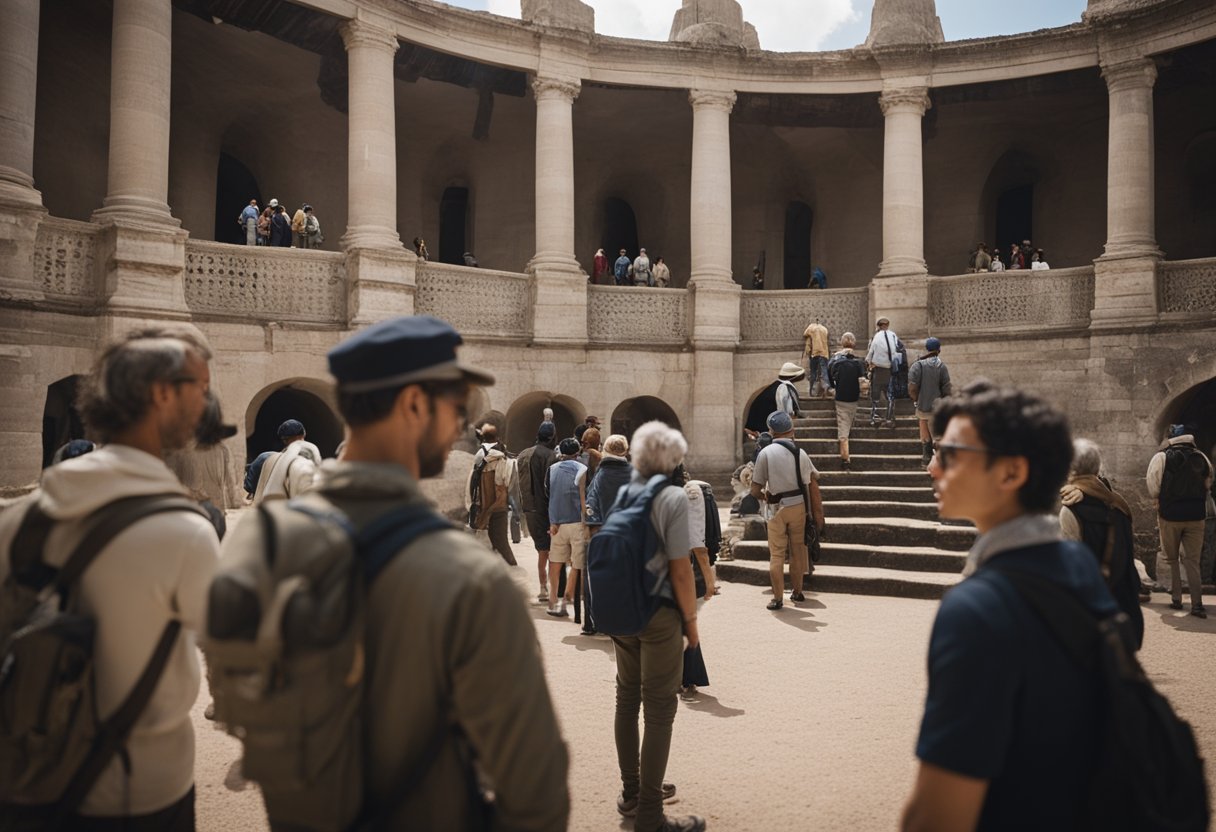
{"x": 60, "y": 421}
{"x": 631, "y": 414}
{"x": 1200, "y": 173}
{"x": 324, "y": 428}
{"x": 1014, "y": 217}
{"x": 525, "y": 415}
{"x": 1196, "y": 408}
{"x": 620, "y": 229}
{"x": 235, "y": 185}
{"x": 454, "y": 226}
{"x": 797, "y": 270}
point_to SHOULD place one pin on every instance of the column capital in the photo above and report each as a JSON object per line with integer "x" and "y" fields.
{"x": 357, "y": 33}
{"x": 712, "y": 100}
{"x": 551, "y": 89}
{"x": 1138, "y": 73}
{"x": 905, "y": 100}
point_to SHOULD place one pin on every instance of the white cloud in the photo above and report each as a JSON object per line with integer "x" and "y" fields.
{"x": 784, "y": 25}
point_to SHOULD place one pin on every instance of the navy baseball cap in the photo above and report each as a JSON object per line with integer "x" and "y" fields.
{"x": 547, "y": 430}
{"x": 292, "y": 427}
{"x": 933, "y": 345}
{"x": 401, "y": 351}
{"x": 779, "y": 422}
{"x": 1177, "y": 430}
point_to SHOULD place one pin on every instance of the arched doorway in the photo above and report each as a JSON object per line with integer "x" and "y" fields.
{"x": 1008, "y": 198}
{"x": 525, "y": 414}
{"x": 1014, "y": 217}
{"x": 633, "y": 413}
{"x": 235, "y": 185}
{"x": 1199, "y": 166}
{"x": 60, "y": 421}
{"x": 1195, "y": 408}
{"x": 303, "y": 399}
{"x": 454, "y": 226}
{"x": 797, "y": 269}
{"x": 620, "y": 229}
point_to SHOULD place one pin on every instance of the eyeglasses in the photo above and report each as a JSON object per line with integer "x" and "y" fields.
{"x": 946, "y": 451}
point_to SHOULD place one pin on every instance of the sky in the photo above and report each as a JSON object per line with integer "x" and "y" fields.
{"x": 823, "y": 24}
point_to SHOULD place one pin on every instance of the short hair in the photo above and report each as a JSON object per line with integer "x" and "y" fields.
{"x": 361, "y": 409}
{"x": 657, "y": 449}
{"x": 1014, "y": 423}
{"x": 489, "y": 433}
{"x": 848, "y": 340}
{"x": 1086, "y": 458}
{"x": 616, "y": 445}
{"x": 591, "y": 438}
{"x": 117, "y": 392}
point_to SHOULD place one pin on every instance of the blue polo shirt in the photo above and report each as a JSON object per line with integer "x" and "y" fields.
{"x": 1005, "y": 703}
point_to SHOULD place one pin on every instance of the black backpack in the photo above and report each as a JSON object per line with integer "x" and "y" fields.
{"x": 1150, "y": 775}
{"x": 1183, "y": 484}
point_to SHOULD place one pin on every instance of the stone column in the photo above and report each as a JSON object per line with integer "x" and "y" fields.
{"x": 1125, "y": 289}
{"x": 380, "y": 272}
{"x": 559, "y": 284}
{"x": 903, "y": 188}
{"x": 710, "y": 229}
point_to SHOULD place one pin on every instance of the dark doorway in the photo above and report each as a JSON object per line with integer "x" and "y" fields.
{"x": 235, "y": 185}
{"x": 323, "y": 428}
{"x": 60, "y": 421}
{"x": 453, "y": 226}
{"x": 1196, "y": 408}
{"x": 620, "y": 229}
{"x": 797, "y": 272}
{"x": 631, "y": 414}
{"x": 525, "y": 415}
{"x": 1014, "y": 217}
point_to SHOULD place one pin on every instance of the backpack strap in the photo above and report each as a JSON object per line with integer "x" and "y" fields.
{"x": 380, "y": 540}
{"x": 25, "y": 553}
{"x": 1070, "y": 622}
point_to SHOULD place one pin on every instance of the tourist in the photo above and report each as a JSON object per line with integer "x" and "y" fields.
{"x": 532, "y": 464}
{"x": 776, "y": 479}
{"x": 280, "y": 228}
{"x": 445, "y": 623}
{"x": 420, "y": 250}
{"x": 997, "y": 264}
{"x": 265, "y": 222}
{"x": 599, "y": 269}
{"x": 1179, "y": 479}
{"x": 1027, "y": 251}
{"x": 928, "y": 381}
{"x": 290, "y": 472}
{"x": 819, "y": 280}
{"x": 815, "y": 344}
{"x": 297, "y": 227}
{"x": 700, "y": 521}
{"x": 880, "y": 357}
{"x": 621, "y": 269}
{"x": 1096, "y": 515}
{"x": 1038, "y": 262}
{"x": 470, "y": 261}
{"x": 662, "y": 274}
{"x": 983, "y": 261}
{"x": 248, "y": 220}
{"x": 590, "y": 454}
{"x": 786, "y": 394}
{"x": 566, "y": 488}
{"x": 757, "y": 278}
{"x": 488, "y": 488}
{"x": 642, "y": 275}
{"x": 1010, "y": 733}
{"x": 312, "y": 229}
{"x": 144, "y": 398}
{"x": 846, "y": 372}
{"x": 649, "y": 666}
{"x": 611, "y": 476}
{"x": 1015, "y": 258}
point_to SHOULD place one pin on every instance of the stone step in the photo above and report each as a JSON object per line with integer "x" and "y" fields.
{"x": 849, "y": 579}
{"x": 903, "y": 407}
{"x": 903, "y": 463}
{"x": 861, "y": 445}
{"x": 827, "y": 430}
{"x": 832, "y": 487}
{"x": 860, "y": 476}
{"x": 904, "y": 558}
{"x": 894, "y": 531}
{"x": 878, "y": 508}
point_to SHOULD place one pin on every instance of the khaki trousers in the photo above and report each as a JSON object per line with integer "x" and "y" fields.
{"x": 786, "y": 530}
{"x": 1186, "y": 536}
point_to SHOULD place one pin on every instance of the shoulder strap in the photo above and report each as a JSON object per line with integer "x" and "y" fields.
{"x": 890, "y": 350}
{"x": 25, "y": 552}
{"x": 382, "y": 539}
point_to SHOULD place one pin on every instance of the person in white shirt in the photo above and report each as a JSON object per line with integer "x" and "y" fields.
{"x": 1037, "y": 262}
{"x": 290, "y": 472}
{"x": 879, "y": 359}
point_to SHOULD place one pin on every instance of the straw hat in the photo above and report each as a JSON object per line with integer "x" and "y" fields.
{"x": 791, "y": 372}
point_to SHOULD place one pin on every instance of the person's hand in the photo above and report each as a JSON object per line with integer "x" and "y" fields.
{"x": 822, "y": 527}
{"x": 553, "y": 529}
{"x": 1070, "y": 495}
{"x": 691, "y": 637}
{"x": 710, "y": 589}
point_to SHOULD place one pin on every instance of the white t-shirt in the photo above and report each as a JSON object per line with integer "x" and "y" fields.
{"x": 775, "y": 472}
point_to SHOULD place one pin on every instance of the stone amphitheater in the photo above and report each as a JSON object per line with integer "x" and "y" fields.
{"x": 132, "y": 132}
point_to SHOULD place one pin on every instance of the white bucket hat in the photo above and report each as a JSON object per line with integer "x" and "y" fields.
{"x": 791, "y": 372}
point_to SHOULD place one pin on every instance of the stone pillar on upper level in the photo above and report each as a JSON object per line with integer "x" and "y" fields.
{"x": 1125, "y": 286}
{"x": 903, "y": 184}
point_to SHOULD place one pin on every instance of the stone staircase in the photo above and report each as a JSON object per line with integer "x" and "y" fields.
{"x": 883, "y": 536}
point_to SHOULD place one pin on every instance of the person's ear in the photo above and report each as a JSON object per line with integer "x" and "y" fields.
{"x": 1015, "y": 471}
{"x": 412, "y": 404}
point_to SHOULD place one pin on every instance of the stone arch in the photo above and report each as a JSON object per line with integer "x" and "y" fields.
{"x": 235, "y": 185}
{"x": 633, "y": 413}
{"x": 1199, "y": 173}
{"x": 309, "y": 400}
{"x": 796, "y": 269}
{"x": 618, "y": 228}
{"x": 1008, "y": 199}
{"x": 1194, "y": 406}
{"x": 525, "y": 413}
{"x": 61, "y": 422}
{"x": 455, "y": 224}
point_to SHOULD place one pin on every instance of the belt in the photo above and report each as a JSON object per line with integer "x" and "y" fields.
{"x": 776, "y": 498}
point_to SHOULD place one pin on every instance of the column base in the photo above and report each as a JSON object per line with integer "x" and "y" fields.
{"x": 19, "y": 221}
{"x": 554, "y": 263}
{"x": 135, "y": 211}
{"x": 382, "y": 284}
{"x": 379, "y": 237}
{"x": 144, "y": 267}
{"x": 1125, "y": 290}
{"x": 715, "y": 312}
{"x": 903, "y": 299}
{"x": 18, "y": 189}
{"x": 559, "y": 307}
{"x": 902, "y": 267}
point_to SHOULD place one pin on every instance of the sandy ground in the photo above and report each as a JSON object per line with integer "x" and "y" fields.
{"x": 811, "y": 716}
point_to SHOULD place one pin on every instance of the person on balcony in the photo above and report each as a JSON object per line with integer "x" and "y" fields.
{"x": 1038, "y": 262}
{"x": 297, "y": 228}
{"x": 1015, "y": 258}
{"x": 280, "y": 228}
{"x": 420, "y": 249}
{"x": 620, "y": 269}
{"x": 249, "y": 222}
{"x": 312, "y": 229}
{"x": 662, "y": 274}
{"x": 599, "y": 270}
{"x": 642, "y": 275}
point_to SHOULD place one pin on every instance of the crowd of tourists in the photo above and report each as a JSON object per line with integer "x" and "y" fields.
{"x": 626, "y": 271}
{"x": 271, "y": 226}
{"x": 343, "y": 600}
{"x": 1023, "y": 256}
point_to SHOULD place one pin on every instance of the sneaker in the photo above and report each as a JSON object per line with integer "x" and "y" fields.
{"x": 1199, "y": 612}
{"x": 1175, "y": 605}
{"x": 846, "y": 465}
{"x": 774, "y": 604}
{"x": 542, "y": 597}
{"x": 683, "y": 823}
{"x": 888, "y": 423}
{"x": 797, "y": 596}
{"x": 628, "y": 806}
{"x": 588, "y": 631}
{"x": 689, "y": 693}
{"x": 558, "y": 611}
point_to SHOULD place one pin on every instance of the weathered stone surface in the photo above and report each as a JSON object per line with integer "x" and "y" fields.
{"x": 559, "y": 14}
{"x": 713, "y": 23}
{"x": 899, "y": 22}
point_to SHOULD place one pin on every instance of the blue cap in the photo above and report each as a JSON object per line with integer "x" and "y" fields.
{"x": 933, "y": 345}
{"x": 292, "y": 427}
{"x": 1177, "y": 430}
{"x": 547, "y": 430}
{"x": 401, "y": 351}
{"x": 780, "y": 422}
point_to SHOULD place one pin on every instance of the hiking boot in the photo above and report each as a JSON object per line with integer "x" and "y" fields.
{"x": 683, "y": 823}
{"x": 1199, "y": 612}
{"x": 1175, "y": 605}
{"x": 628, "y": 805}
{"x": 774, "y": 604}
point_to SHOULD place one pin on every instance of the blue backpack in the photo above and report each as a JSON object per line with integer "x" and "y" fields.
{"x": 622, "y": 593}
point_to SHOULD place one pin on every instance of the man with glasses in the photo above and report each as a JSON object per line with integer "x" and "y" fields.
{"x": 1010, "y": 735}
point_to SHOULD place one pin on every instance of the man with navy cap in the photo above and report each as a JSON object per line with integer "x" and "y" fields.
{"x": 928, "y": 381}
{"x": 445, "y": 621}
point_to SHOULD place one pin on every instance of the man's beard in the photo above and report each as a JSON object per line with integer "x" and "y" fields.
{"x": 432, "y": 454}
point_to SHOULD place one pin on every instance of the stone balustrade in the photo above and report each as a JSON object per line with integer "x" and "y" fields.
{"x": 65, "y": 260}
{"x": 1021, "y": 300}
{"x": 1188, "y": 288}
{"x": 637, "y": 316}
{"x": 260, "y": 283}
{"x": 776, "y": 319}
{"x": 480, "y": 303}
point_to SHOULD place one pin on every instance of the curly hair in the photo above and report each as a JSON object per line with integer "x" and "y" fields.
{"x": 657, "y": 449}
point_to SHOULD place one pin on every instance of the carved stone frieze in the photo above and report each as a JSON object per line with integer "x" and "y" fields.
{"x": 912, "y": 99}
{"x": 478, "y": 302}
{"x": 1139, "y": 73}
{"x": 1189, "y": 286}
{"x": 65, "y": 258}
{"x": 778, "y": 318}
{"x": 637, "y": 315}
{"x": 358, "y": 34}
{"x": 264, "y": 284}
{"x": 561, "y": 89}
{"x": 1049, "y": 299}
{"x": 712, "y": 100}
